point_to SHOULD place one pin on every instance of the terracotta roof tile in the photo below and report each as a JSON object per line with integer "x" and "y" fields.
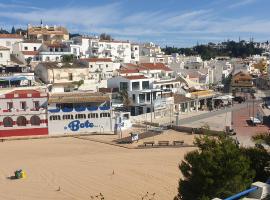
{"x": 4, "y": 48}
{"x": 129, "y": 71}
{"x": 11, "y": 36}
{"x": 155, "y": 66}
{"x": 30, "y": 53}
{"x": 96, "y": 59}
{"x": 135, "y": 77}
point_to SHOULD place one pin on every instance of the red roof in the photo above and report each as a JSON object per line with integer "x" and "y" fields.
{"x": 24, "y": 92}
{"x": 10, "y": 36}
{"x": 30, "y": 52}
{"x": 155, "y": 66}
{"x": 128, "y": 71}
{"x": 96, "y": 59}
{"x": 135, "y": 77}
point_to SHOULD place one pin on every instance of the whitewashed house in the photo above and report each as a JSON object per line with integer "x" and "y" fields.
{"x": 27, "y": 49}
{"x": 4, "y": 56}
{"x": 8, "y": 40}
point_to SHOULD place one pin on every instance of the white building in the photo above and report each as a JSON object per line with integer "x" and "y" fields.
{"x": 140, "y": 90}
{"x": 118, "y": 51}
{"x": 4, "y": 56}
{"x": 79, "y": 112}
{"x": 27, "y": 49}
{"x": 149, "y": 49}
{"x": 52, "y": 52}
{"x": 8, "y": 40}
{"x": 135, "y": 53}
{"x": 100, "y": 68}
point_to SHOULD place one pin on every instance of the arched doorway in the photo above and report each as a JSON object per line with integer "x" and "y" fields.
{"x": 35, "y": 120}
{"x": 21, "y": 121}
{"x": 8, "y": 122}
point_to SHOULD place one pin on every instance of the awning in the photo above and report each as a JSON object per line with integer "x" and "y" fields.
{"x": 19, "y": 78}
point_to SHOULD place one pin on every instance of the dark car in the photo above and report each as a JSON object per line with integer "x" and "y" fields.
{"x": 239, "y": 99}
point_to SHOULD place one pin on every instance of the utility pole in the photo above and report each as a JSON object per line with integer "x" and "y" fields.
{"x": 151, "y": 106}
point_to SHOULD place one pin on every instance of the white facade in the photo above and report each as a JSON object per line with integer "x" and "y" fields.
{"x": 79, "y": 112}
{"x": 149, "y": 49}
{"x": 27, "y": 49}
{"x": 100, "y": 68}
{"x": 8, "y": 40}
{"x": 4, "y": 56}
{"x": 118, "y": 51}
{"x": 135, "y": 53}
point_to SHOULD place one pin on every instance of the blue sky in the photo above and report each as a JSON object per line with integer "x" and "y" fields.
{"x": 166, "y": 22}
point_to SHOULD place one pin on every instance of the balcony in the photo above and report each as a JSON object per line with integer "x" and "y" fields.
{"x": 54, "y": 53}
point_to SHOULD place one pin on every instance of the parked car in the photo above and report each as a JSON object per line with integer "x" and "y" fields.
{"x": 239, "y": 99}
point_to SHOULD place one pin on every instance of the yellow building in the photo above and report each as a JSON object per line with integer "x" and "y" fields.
{"x": 262, "y": 66}
{"x": 47, "y": 33}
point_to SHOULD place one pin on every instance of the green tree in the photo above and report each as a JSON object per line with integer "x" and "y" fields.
{"x": 217, "y": 169}
{"x": 262, "y": 138}
{"x": 259, "y": 158}
{"x": 104, "y": 36}
{"x": 13, "y": 31}
{"x": 68, "y": 58}
{"x": 28, "y": 60}
{"x": 127, "y": 102}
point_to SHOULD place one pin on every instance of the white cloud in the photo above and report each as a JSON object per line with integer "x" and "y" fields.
{"x": 18, "y": 5}
{"x": 242, "y": 3}
{"x": 201, "y": 24}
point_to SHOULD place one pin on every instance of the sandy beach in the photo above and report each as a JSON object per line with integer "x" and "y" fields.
{"x": 82, "y": 168}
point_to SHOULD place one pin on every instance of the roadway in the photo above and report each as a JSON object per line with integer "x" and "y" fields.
{"x": 213, "y": 113}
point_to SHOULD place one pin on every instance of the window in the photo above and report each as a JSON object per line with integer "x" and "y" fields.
{"x": 23, "y": 105}
{"x": 141, "y": 98}
{"x": 91, "y": 66}
{"x": 105, "y": 115}
{"x": 8, "y": 122}
{"x": 21, "y": 121}
{"x": 123, "y": 85}
{"x": 67, "y": 117}
{"x": 134, "y": 97}
{"x": 70, "y": 76}
{"x": 54, "y": 117}
{"x": 36, "y": 105}
{"x": 135, "y": 86}
{"x": 145, "y": 85}
{"x": 1, "y": 55}
{"x": 148, "y": 96}
{"x": 80, "y": 116}
{"x": 9, "y": 105}
{"x": 35, "y": 48}
{"x": 107, "y": 66}
{"x": 51, "y": 49}
{"x": 25, "y": 48}
{"x": 92, "y": 115}
{"x": 35, "y": 120}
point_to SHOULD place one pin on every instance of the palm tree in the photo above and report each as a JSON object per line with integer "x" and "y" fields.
{"x": 127, "y": 102}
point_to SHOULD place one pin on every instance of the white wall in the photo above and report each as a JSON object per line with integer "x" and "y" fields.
{"x": 9, "y": 42}
{"x": 4, "y": 57}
